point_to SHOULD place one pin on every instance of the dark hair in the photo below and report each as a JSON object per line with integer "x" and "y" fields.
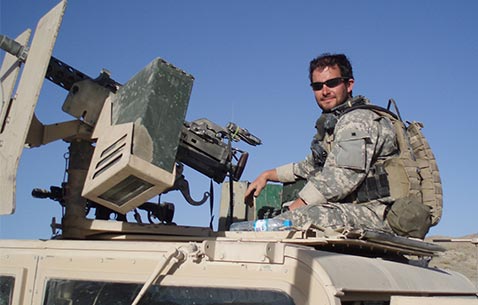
{"x": 330, "y": 60}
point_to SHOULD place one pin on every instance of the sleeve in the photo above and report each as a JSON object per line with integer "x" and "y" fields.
{"x": 356, "y": 137}
{"x": 285, "y": 173}
{"x": 298, "y": 170}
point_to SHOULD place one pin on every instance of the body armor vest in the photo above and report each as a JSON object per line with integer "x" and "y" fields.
{"x": 413, "y": 173}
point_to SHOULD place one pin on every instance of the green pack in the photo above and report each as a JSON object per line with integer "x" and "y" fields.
{"x": 413, "y": 177}
{"x": 431, "y": 187}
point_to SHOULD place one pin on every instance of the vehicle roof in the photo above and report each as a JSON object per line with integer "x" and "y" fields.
{"x": 340, "y": 273}
{"x": 352, "y": 273}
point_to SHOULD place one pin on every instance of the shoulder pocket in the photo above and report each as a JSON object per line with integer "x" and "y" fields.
{"x": 351, "y": 152}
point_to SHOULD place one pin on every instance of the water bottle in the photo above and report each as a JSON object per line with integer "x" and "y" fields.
{"x": 260, "y": 225}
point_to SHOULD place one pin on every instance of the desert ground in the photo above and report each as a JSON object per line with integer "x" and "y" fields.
{"x": 461, "y": 255}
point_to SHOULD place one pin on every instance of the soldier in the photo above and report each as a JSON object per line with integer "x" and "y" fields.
{"x": 348, "y": 144}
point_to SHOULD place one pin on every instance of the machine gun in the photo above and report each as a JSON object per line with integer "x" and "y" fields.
{"x": 202, "y": 143}
{"x": 128, "y": 142}
{"x": 203, "y": 147}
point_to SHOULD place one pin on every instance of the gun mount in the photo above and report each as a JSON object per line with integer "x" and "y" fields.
{"x": 127, "y": 143}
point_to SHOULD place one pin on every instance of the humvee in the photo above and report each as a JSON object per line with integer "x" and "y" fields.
{"x": 130, "y": 142}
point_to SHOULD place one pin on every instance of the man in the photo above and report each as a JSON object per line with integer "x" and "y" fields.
{"x": 350, "y": 141}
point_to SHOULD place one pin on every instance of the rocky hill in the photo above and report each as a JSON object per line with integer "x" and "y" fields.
{"x": 461, "y": 255}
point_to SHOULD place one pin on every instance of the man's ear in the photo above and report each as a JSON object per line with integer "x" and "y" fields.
{"x": 350, "y": 85}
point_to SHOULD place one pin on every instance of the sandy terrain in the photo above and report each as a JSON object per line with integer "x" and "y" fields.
{"x": 461, "y": 255}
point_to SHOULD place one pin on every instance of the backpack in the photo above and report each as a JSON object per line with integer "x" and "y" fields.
{"x": 414, "y": 173}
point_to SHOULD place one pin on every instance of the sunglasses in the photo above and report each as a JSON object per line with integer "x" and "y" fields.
{"x": 331, "y": 83}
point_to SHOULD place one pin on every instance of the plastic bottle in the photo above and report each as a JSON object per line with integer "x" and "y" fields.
{"x": 269, "y": 224}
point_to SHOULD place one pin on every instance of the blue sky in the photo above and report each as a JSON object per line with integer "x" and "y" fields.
{"x": 250, "y": 60}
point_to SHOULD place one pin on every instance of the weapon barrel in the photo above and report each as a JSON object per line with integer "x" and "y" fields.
{"x": 63, "y": 74}
{"x": 58, "y": 72}
{"x": 11, "y": 46}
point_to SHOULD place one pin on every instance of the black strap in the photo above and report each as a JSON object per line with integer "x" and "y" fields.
{"x": 374, "y": 187}
{"x": 211, "y": 204}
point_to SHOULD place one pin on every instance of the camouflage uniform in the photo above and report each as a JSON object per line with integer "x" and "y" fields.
{"x": 358, "y": 140}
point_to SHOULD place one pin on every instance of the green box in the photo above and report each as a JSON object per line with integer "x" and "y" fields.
{"x": 155, "y": 100}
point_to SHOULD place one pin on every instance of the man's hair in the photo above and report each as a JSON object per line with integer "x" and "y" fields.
{"x": 330, "y": 60}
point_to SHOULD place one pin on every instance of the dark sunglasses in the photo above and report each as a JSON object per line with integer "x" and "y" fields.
{"x": 331, "y": 83}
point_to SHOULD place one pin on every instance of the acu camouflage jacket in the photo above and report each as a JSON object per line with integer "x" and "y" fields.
{"x": 351, "y": 146}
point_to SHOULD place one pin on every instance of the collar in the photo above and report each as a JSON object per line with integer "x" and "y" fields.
{"x": 359, "y": 100}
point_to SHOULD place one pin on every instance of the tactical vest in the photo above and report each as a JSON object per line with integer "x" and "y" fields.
{"x": 413, "y": 173}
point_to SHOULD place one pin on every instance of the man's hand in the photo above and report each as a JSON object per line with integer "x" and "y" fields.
{"x": 258, "y": 185}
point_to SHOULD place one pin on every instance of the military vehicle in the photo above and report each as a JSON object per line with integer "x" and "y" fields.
{"x": 129, "y": 143}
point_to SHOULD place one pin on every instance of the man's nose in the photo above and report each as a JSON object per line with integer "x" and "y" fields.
{"x": 325, "y": 89}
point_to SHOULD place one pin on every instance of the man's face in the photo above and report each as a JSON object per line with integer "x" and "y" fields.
{"x": 327, "y": 98}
